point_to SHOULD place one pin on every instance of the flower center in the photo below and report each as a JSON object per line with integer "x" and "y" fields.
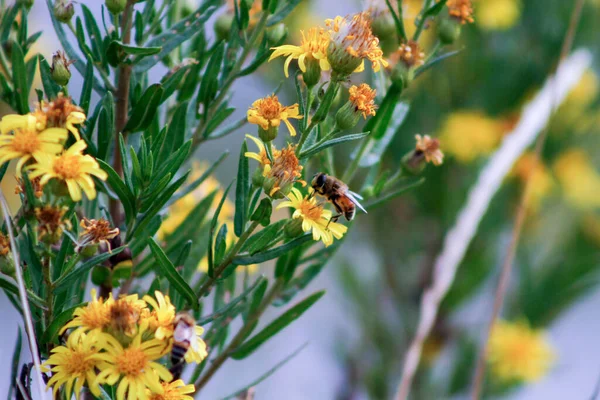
{"x": 285, "y": 164}
{"x": 95, "y": 316}
{"x": 270, "y": 108}
{"x": 132, "y": 362}
{"x": 79, "y": 363}
{"x": 26, "y": 141}
{"x": 311, "y": 211}
{"x": 67, "y": 167}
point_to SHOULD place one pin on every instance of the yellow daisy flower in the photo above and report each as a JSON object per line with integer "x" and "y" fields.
{"x": 314, "y": 217}
{"x": 313, "y": 47}
{"x": 578, "y": 178}
{"x": 72, "y": 167}
{"x": 197, "y": 352}
{"x": 518, "y": 352}
{"x": 26, "y": 142}
{"x": 462, "y": 10}
{"x": 269, "y": 112}
{"x": 95, "y": 315}
{"x": 363, "y": 99}
{"x": 74, "y": 365}
{"x": 351, "y": 42}
{"x": 162, "y": 315}
{"x": 176, "y": 390}
{"x": 126, "y": 313}
{"x": 134, "y": 366}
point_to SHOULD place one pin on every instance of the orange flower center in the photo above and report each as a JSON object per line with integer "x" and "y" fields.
{"x": 310, "y": 210}
{"x": 79, "y": 363}
{"x": 363, "y": 98}
{"x": 26, "y": 141}
{"x": 270, "y": 107}
{"x": 132, "y": 362}
{"x": 461, "y": 10}
{"x": 285, "y": 164}
{"x": 124, "y": 316}
{"x": 95, "y": 315}
{"x": 67, "y": 167}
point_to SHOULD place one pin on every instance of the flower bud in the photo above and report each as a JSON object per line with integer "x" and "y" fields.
{"x": 64, "y": 10}
{"x": 448, "y": 30}
{"x": 383, "y": 26}
{"x": 347, "y": 117}
{"x": 6, "y": 266}
{"x": 26, "y": 3}
{"x": 52, "y": 238}
{"x": 414, "y": 162}
{"x": 402, "y": 75}
{"x": 89, "y": 250}
{"x": 222, "y": 26}
{"x": 276, "y": 34}
{"x": 312, "y": 75}
{"x": 267, "y": 135}
{"x": 116, "y": 6}
{"x": 60, "y": 68}
{"x": 342, "y": 62}
{"x": 269, "y": 184}
{"x": 257, "y": 178}
{"x": 293, "y": 228}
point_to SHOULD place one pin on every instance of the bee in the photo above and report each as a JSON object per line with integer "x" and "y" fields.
{"x": 337, "y": 192}
{"x": 184, "y": 337}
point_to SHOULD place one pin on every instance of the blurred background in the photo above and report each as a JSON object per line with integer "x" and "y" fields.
{"x": 358, "y": 333}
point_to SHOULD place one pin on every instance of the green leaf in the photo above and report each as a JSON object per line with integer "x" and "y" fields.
{"x": 51, "y": 333}
{"x": 436, "y": 60}
{"x": 262, "y": 239}
{"x": 221, "y": 244}
{"x": 241, "y": 192}
{"x": 378, "y": 124}
{"x": 210, "y": 82}
{"x": 15, "y": 363}
{"x": 3, "y": 169}
{"x": 257, "y": 297}
{"x": 320, "y": 146}
{"x": 66, "y": 281}
{"x": 86, "y": 90}
{"x": 168, "y": 270}
{"x": 8, "y": 19}
{"x": 213, "y": 226}
{"x": 273, "y": 253}
{"x": 138, "y": 51}
{"x": 172, "y": 81}
{"x": 122, "y": 191}
{"x": 177, "y": 34}
{"x": 11, "y": 289}
{"x": 19, "y": 77}
{"x": 95, "y": 37}
{"x": 106, "y": 126}
{"x": 286, "y": 8}
{"x": 412, "y": 183}
{"x": 177, "y": 129}
{"x": 276, "y": 326}
{"x": 145, "y": 109}
{"x": 66, "y": 247}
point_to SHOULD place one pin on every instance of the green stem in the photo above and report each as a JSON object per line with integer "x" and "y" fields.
{"x": 240, "y": 336}
{"x": 49, "y": 312}
{"x": 422, "y": 21}
{"x": 349, "y": 174}
{"x": 233, "y": 75}
{"x": 436, "y": 47}
{"x": 207, "y": 285}
{"x": 331, "y": 89}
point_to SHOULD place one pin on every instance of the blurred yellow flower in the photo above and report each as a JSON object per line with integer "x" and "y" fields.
{"x": 72, "y": 167}
{"x": 313, "y": 47}
{"x": 462, "y": 10}
{"x": 269, "y": 112}
{"x": 518, "y": 353}
{"x": 176, "y": 390}
{"x": 74, "y": 364}
{"x": 468, "y": 135}
{"x": 578, "y": 178}
{"x": 529, "y": 167}
{"x": 161, "y": 318}
{"x": 497, "y": 14}
{"x": 577, "y": 114}
{"x": 95, "y": 315}
{"x": 314, "y": 218}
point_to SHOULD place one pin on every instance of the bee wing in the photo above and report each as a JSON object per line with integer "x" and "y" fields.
{"x": 356, "y": 195}
{"x": 352, "y": 196}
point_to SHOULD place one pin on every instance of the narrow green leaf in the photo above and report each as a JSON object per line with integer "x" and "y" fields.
{"x": 210, "y": 82}
{"x": 213, "y": 226}
{"x": 86, "y": 90}
{"x": 122, "y": 191}
{"x": 320, "y": 146}
{"x": 7, "y": 22}
{"x": 257, "y": 297}
{"x": 241, "y": 192}
{"x": 273, "y": 253}
{"x": 19, "y": 77}
{"x": 169, "y": 271}
{"x": 95, "y": 36}
{"x": 276, "y": 326}
{"x": 139, "y": 51}
{"x": 15, "y": 363}
{"x": 412, "y": 183}
{"x": 436, "y": 60}
{"x": 374, "y": 154}
{"x": 178, "y": 128}
{"x": 172, "y": 81}
{"x": 260, "y": 240}
{"x": 51, "y": 333}
{"x": 58, "y": 264}
{"x": 221, "y": 244}
{"x": 145, "y": 109}
{"x": 286, "y": 8}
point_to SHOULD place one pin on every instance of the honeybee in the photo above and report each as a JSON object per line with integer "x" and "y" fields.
{"x": 337, "y": 192}
{"x": 184, "y": 337}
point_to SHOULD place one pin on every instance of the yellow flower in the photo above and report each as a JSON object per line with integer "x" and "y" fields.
{"x": 351, "y": 42}
{"x": 95, "y": 315}
{"x": 578, "y": 178}
{"x": 469, "y": 134}
{"x": 197, "y": 352}
{"x": 518, "y": 353}
{"x": 462, "y": 10}
{"x": 281, "y": 173}
{"x": 72, "y": 167}
{"x": 313, "y": 47}
{"x": 74, "y": 365}
{"x": 430, "y": 148}
{"x": 26, "y": 142}
{"x": 363, "y": 99}
{"x": 529, "y": 167}
{"x": 135, "y": 365}
{"x": 162, "y": 316}
{"x": 126, "y": 313}
{"x": 269, "y": 112}
{"x": 176, "y": 390}
{"x": 498, "y": 14}
{"x": 314, "y": 217}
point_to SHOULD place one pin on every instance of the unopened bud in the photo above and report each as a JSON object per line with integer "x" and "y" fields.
{"x": 448, "y": 30}
{"x": 293, "y": 228}
{"x": 312, "y": 75}
{"x": 60, "y": 68}
{"x": 89, "y": 250}
{"x": 342, "y": 63}
{"x": 267, "y": 135}
{"x": 64, "y": 10}
{"x": 222, "y": 26}
{"x": 383, "y": 26}
{"x": 276, "y": 34}
{"x": 402, "y": 75}
{"x": 347, "y": 117}
{"x": 6, "y": 266}
{"x": 116, "y": 6}
{"x": 257, "y": 178}
{"x": 414, "y": 162}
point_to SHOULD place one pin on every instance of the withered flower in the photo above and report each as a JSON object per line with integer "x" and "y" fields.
{"x": 96, "y": 231}
{"x": 51, "y": 222}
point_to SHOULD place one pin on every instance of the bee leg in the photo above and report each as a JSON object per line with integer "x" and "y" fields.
{"x": 333, "y": 219}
